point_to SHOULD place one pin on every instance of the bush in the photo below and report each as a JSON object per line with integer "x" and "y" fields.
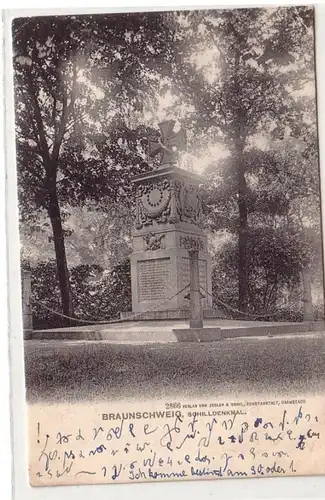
{"x": 45, "y": 290}
{"x": 97, "y": 295}
{"x": 286, "y": 314}
{"x": 318, "y": 311}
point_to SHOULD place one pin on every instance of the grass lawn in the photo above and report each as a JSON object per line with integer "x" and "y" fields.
{"x": 61, "y": 371}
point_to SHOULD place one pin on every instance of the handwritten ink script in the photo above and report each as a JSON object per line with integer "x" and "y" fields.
{"x": 111, "y": 443}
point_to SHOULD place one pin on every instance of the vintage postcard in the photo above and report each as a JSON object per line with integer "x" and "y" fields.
{"x": 171, "y": 247}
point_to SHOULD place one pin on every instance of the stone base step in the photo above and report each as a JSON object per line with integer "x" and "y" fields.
{"x": 212, "y": 334}
{"x": 209, "y": 334}
{"x": 274, "y": 329}
{"x": 212, "y": 313}
{"x": 177, "y": 331}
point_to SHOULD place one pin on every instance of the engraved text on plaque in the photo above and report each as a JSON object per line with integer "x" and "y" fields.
{"x": 154, "y": 279}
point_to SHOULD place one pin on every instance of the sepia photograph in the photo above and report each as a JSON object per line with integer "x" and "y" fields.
{"x": 169, "y": 203}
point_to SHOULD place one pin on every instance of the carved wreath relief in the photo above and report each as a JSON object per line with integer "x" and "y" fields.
{"x": 153, "y": 203}
{"x": 168, "y": 201}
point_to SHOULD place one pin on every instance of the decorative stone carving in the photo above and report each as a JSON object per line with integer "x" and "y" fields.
{"x": 189, "y": 204}
{"x": 168, "y": 200}
{"x": 169, "y": 143}
{"x": 173, "y": 215}
{"x": 153, "y": 203}
{"x": 191, "y": 243}
{"x": 153, "y": 242}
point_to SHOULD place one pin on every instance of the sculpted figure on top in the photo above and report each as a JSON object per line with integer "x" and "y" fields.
{"x": 169, "y": 143}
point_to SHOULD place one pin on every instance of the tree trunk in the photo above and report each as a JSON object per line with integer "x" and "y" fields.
{"x": 307, "y": 298}
{"x": 60, "y": 253}
{"x": 242, "y": 242}
{"x": 243, "y": 289}
{"x": 239, "y": 143}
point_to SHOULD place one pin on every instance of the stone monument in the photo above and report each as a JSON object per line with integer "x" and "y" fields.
{"x": 168, "y": 225}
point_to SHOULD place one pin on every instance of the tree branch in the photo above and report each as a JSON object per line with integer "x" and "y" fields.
{"x": 59, "y": 136}
{"x": 39, "y": 121}
{"x": 76, "y": 120}
{"x": 300, "y": 19}
{"x": 67, "y": 109}
{"x": 36, "y": 136}
{"x": 222, "y": 111}
{"x": 54, "y": 114}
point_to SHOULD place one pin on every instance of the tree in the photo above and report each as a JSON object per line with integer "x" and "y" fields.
{"x": 76, "y": 78}
{"x": 284, "y": 236}
{"x": 93, "y": 235}
{"x": 48, "y": 85}
{"x": 257, "y": 59}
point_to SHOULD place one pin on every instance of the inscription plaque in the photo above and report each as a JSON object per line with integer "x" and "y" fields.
{"x": 154, "y": 279}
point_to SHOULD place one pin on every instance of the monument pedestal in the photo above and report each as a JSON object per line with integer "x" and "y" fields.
{"x": 168, "y": 224}
{"x": 158, "y": 275}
